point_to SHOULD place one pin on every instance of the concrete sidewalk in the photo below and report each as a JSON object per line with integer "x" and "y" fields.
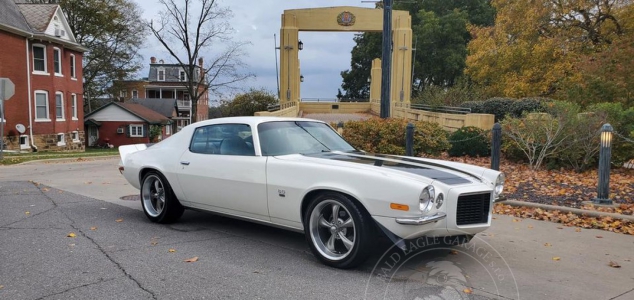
{"x": 515, "y": 258}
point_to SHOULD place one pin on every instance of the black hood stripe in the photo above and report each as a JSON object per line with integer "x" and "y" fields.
{"x": 398, "y": 163}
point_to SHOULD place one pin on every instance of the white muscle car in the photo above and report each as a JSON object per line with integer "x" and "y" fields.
{"x": 301, "y": 175}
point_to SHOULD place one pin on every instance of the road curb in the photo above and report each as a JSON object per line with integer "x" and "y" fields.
{"x": 69, "y": 159}
{"x": 576, "y": 211}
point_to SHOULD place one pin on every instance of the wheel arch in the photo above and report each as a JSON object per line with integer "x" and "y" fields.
{"x": 311, "y": 195}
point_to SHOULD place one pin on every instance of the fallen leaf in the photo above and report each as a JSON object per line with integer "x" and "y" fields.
{"x": 599, "y": 237}
{"x": 93, "y": 228}
{"x": 453, "y": 252}
{"x": 577, "y": 229}
{"x": 153, "y": 243}
{"x": 530, "y": 226}
{"x": 119, "y": 220}
{"x": 193, "y": 259}
{"x": 515, "y": 220}
{"x": 614, "y": 264}
{"x": 547, "y": 244}
{"x": 88, "y": 182}
{"x": 171, "y": 250}
{"x": 256, "y": 272}
{"x": 467, "y": 291}
{"x": 1, "y": 287}
{"x": 556, "y": 258}
{"x": 60, "y": 192}
{"x": 45, "y": 189}
{"x": 560, "y": 228}
{"x": 71, "y": 235}
{"x": 27, "y": 213}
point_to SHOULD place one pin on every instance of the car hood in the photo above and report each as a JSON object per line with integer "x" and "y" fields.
{"x": 432, "y": 169}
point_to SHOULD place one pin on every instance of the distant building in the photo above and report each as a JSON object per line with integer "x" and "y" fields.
{"x": 167, "y": 81}
{"x": 119, "y": 124}
{"x": 40, "y": 55}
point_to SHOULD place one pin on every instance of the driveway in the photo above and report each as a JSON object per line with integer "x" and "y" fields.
{"x": 116, "y": 253}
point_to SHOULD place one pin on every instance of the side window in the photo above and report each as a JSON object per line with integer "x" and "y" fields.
{"x": 225, "y": 139}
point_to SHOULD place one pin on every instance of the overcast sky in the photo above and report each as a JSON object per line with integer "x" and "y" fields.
{"x": 325, "y": 54}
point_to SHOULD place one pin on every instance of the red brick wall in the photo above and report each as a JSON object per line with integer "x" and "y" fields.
{"x": 108, "y": 130}
{"x": 13, "y": 65}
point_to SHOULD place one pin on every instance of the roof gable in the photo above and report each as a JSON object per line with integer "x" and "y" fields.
{"x": 48, "y": 19}
{"x": 11, "y": 16}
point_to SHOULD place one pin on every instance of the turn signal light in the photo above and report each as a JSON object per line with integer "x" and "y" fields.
{"x": 397, "y": 206}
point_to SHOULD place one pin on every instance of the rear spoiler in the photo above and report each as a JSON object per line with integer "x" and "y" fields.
{"x": 128, "y": 149}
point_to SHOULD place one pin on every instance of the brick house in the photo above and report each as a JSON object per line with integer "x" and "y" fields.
{"x": 119, "y": 124}
{"x": 167, "y": 81}
{"x": 40, "y": 55}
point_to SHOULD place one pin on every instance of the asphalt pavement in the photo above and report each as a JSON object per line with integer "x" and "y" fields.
{"x": 65, "y": 233}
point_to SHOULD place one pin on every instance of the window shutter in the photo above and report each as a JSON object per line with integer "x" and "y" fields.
{"x": 145, "y": 130}
{"x": 127, "y": 131}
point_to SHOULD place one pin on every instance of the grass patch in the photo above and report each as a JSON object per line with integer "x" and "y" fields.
{"x": 13, "y": 158}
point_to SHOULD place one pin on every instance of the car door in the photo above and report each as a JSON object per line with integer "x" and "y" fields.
{"x": 220, "y": 172}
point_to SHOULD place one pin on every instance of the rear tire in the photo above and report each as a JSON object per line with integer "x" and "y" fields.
{"x": 158, "y": 200}
{"x": 338, "y": 231}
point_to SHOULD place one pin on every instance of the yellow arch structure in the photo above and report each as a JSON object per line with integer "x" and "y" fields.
{"x": 350, "y": 19}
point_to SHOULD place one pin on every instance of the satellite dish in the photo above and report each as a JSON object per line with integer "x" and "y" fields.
{"x": 21, "y": 129}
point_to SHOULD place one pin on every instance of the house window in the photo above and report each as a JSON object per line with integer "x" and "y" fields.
{"x": 136, "y": 130}
{"x": 123, "y": 93}
{"x": 161, "y": 74}
{"x": 135, "y": 94}
{"x": 59, "y": 106}
{"x": 39, "y": 58}
{"x": 168, "y": 129}
{"x": 24, "y": 142}
{"x": 75, "y": 136}
{"x": 182, "y": 76}
{"x": 57, "y": 61}
{"x": 41, "y": 106}
{"x": 61, "y": 139}
{"x": 73, "y": 98}
{"x": 72, "y": 66}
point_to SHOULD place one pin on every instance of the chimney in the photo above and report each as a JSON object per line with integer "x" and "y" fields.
{"x": 152, "y": 60}
{"x": 202, "y": 69}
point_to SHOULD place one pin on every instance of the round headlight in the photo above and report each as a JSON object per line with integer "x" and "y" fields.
{"x": 439, "y": 200}
{"x": 427, "y": 198}
{"x": 499, "y": 184}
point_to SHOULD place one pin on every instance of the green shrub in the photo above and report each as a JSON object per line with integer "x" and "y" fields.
{"x": 471, "y": 141}
{"x": 498, "y": 107}
{"x": 622, "y": 120}
{"x": 477, "y": 107}
{"x": 388, "y": 136}
{"x": 527, "y": 105}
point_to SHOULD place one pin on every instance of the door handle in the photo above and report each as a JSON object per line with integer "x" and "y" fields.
{"x": 186, "y": 163}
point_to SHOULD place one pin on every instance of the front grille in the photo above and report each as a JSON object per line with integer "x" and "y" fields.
{"x": 473, "y": 209}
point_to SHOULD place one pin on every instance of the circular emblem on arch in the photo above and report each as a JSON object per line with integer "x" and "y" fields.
{"x": 346, "y": 18}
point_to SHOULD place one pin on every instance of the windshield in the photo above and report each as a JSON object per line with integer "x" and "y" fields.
{"x": 303, "y": 137}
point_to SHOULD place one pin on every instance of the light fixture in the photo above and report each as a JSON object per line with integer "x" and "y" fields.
{"x": 605, "y": 153}
{"x": 301, "y": 78}
{"x": 300, "y": 45}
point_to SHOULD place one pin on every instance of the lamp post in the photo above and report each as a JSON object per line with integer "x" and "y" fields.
{"x": 603, "y": 187}
{"x": 386, "y": 61}
{"x": 301, "y": 78}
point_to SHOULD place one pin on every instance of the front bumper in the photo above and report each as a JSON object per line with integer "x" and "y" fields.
{"x": 422, "y": 220}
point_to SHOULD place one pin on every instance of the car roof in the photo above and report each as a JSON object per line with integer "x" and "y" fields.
{"x": 251, "y": 120}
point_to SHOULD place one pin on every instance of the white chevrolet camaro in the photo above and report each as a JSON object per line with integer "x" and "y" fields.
{"x": 299, "y": 174}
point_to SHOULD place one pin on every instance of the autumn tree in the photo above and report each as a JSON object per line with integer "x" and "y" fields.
{"x": 245, "y": 104}
{"x": 187, "y": 29}
{"x": 513, "y": 58}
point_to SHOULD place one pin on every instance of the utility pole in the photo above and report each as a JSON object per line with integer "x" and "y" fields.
{"x": 386, "y": 59}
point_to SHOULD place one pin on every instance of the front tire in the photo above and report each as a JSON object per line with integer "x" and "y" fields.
{"x": 338, "y": 231}
{"x": 158, "y": 201}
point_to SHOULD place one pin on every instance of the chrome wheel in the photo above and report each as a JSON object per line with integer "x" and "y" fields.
{"x": 332, "y": 230}
{"x": 153, "y": 195}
